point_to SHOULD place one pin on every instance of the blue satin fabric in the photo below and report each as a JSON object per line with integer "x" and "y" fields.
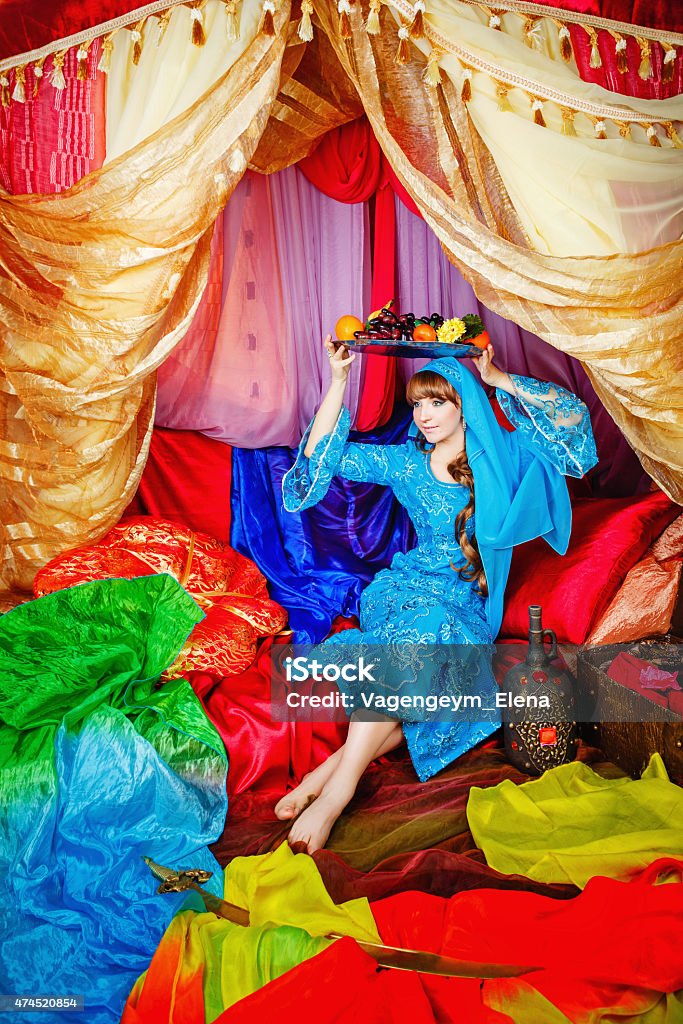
{"x": 317, "y": 562}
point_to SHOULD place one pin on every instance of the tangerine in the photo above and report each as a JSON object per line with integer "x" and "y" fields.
{"x": 346, "y": 325}
{"x": 424, "y": 332}
{"x": 482, "y": 340}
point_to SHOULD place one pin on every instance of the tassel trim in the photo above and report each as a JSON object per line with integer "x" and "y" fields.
{"x": 432, "y": 73}
{"x": 37, "y": 75}
{"x": 494, "y": 21}
{"x": 372, "y": 24}
{"x": 417, "y": 25}
{"x": 82, "y": 62}
{"x": 568, "y": 116}
{"x": 19, "y": 93}
{"x": 198, "y": 33}
{"x": 305, "y": 32}
{"x": 4, "y": 90}
{"x": 624, "y": 129}
{"x": 533, "y": 33}
{"x": 403, "y": 52}
{"x": 669, "y": 62}
{"x": 136, "y": 36}
{"x": 163, "y": 19}
{"x": 344, "y": 11}
{"x": 595, "y": 59}
{"x": 502, "y": 90}
{"x": 600, "y": 129}
{"x": 104, "y": 64}
{"x": 57, "y": 80}
{"x": 565, "y": 44}
{"x": 267, "y": 25}
{"x": 537, "y": 107}
{"x": 673, "y": 135}
{"x": 645, "y": 69}
{"x": 620, "y": 53}
{"x": 652, "y": 136}
{"x": 466, "y": 90}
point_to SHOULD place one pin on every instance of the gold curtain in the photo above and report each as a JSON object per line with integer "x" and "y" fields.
{"x": 97, "y": 285}
{"x": 620, "y": 315}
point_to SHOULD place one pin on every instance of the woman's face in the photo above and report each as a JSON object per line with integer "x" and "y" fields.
{"x": 437, "y": 418}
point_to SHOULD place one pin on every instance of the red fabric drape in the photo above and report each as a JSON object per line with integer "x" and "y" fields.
{"x": 57, "y": 137}
{"x": 348, "y": 166}
{"x": 187, "y": 480}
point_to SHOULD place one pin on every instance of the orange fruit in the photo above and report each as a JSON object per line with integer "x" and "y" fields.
{"x": 482, "y": 340}
{"x": 346, "y": 325}
{"x": 424, "y": 332}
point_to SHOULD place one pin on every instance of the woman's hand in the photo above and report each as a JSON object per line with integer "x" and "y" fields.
{"x": 340, "y": 360}
{"x": 490, "y": 374}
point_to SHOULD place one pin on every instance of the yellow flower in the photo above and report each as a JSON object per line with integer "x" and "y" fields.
{"x": 451, "y": 330}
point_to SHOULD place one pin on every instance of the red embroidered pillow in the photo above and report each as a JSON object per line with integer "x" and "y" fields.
{"x": 609, "y": 535}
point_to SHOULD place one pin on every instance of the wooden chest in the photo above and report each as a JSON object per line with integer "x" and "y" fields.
{"x": 628, "y": 727}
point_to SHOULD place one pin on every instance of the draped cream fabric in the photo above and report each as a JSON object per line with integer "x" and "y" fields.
{"x": 621, "y": 315}
{"x": 97, "y": 285}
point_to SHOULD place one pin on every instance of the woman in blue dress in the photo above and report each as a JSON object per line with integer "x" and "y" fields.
{"x": 472, "y": 490}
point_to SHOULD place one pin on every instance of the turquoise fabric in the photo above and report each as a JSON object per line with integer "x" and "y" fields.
{"x": 519, "y": 494}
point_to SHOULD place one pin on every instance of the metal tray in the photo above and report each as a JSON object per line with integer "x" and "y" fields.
{"x": 411, "y": 349}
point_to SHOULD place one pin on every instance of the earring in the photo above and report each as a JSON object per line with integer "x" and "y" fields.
{"x": 464, "y": 424}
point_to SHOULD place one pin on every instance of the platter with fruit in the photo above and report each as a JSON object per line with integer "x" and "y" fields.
{"x": 386, "y": 333}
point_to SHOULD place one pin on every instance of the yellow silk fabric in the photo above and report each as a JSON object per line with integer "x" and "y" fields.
{"x": 571, "y": 824}
{"x": 97, "y": 285}
{"x": 621, "y": 315}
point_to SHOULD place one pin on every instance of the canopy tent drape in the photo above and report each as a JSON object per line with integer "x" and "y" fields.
{"x": 479, "y": 146}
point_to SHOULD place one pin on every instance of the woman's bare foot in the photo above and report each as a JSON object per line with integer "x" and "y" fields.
{"x": 314, "y": 824}
{"x": 309, "y": 788}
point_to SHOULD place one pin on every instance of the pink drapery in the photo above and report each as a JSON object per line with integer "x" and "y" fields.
{"x": 293, "y": 262}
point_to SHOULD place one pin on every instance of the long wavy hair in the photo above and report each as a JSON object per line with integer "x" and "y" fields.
{"x": 427, "y": 384}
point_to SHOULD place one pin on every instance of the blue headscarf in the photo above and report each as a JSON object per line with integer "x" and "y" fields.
{"x": 518, "y": 493}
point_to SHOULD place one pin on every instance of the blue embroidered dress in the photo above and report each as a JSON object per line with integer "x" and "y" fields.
{"x": 420, "y": 598}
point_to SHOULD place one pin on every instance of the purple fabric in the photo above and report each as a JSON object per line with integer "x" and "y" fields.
{"x": 294, "y": 261}
{"x": 428, "y": 283}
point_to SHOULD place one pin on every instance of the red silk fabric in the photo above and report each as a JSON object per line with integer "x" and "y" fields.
{"x": 57, "y": 137}
{"x": 186, "y": 480}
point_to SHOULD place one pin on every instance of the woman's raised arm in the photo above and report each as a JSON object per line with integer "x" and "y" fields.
{"x": 331, "y": 405}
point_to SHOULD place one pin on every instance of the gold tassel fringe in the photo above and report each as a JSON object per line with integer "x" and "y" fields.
{"x": 372, "y": 24}
{"x": 432, "y": 73}
{"x": 37, "y": 75}
{"x": 82, "y": 62}
{"x": 568, "y": 121}
{"x": 620, "y": 53}
{"x": 596, "y": 60}
{"x": 344, "y": 9}
{"x": 57, "y": 79}
{"x": 136, "y": 36}
{"x": 231, "y": 29}
{"x": 537, "y": 107}
{"x": 104, "y": 64}
{"x": 466, "y": 91}
{"x": 624, "y": 129}
{"x": 4, "y": 90}
{"x": 502, "y": 91}
{"x": 198, "y": 33}
{"x": 600, "y": 129}
{"x": 403, "y": 52}
{"x": 305, "y": 32}
{"x": 267, "y": 25}
{"x": 669, "y": 62}
{"x": 19, "y": 93}
{"x": 163, "y": 18}
{"x": 652, "y": 136}
{"x": 673, "y": 135}
{"x": 565, "y": 44}
{"x": 417, "y": 25}
{"x": 645, "y": 69}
